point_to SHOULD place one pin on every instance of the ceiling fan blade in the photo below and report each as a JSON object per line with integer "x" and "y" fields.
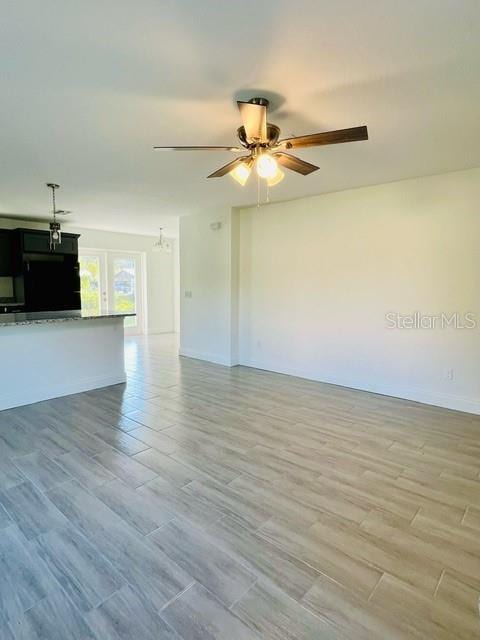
{"x": 295, "y": 164}
{"x": 228, "y": 167}
{"x": 200, "y": 148}
{"x": 254, "y": 119}
{"x": 41, "y": 217}
{"x": 326, "y": 137}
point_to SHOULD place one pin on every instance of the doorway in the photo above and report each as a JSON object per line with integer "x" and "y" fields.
{"x": 113, "y": 280}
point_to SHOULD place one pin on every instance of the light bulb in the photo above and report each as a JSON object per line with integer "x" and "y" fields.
{"x": 275, "y": 179}
{"x": 241, "y": 173}
{"x": 267, "y": 166}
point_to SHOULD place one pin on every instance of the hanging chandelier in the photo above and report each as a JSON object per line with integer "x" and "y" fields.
{"x": 162, "y": 243}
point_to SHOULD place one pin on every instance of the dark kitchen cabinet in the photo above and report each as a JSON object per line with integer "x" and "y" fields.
{"x": 11, "y": 307}
{"x": 34, "y": 242}
{"x": 39, "y": 242}
{"x": 43, "y": 279}
{"x": 6, "y": 253}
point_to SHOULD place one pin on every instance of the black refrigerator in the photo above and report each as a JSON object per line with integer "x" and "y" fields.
{"x": 51, "y": 282}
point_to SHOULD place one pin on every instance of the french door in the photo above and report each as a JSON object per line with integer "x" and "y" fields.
{"x": 114, "y": 281}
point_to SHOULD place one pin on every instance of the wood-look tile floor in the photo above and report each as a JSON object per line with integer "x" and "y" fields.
{"x": 201, "y": 502}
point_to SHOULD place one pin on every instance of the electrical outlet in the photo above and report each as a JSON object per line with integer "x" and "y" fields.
{"x": 188, "y": 294}
{"x": 450, "y": 374}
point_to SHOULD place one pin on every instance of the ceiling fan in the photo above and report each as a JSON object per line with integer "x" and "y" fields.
{"x": 266, "y": 151}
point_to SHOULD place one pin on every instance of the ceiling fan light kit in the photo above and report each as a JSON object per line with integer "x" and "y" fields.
{"x": 242, "y": 171}
{"x": 266, "y": 151}
{"x": 275, "y": 179}
{"x": 266, "y": 166}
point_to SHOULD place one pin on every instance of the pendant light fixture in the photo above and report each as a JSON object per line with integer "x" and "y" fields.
{"x": 55, "y": 230}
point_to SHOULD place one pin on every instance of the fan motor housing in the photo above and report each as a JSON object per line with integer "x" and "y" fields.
{"x": 273, "y": 133}
{"x": 261, "y": 101}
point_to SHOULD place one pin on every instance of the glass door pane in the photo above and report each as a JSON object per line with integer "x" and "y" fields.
{"x": 124, "y": 272}
{"x": 90, "y": 283}
{"x": 112, "y": 281}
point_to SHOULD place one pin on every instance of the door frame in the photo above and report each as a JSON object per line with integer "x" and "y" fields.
{"x": 106, "y": 257}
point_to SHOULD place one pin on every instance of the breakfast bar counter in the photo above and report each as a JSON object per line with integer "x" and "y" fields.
{"x": 49, "y": 354}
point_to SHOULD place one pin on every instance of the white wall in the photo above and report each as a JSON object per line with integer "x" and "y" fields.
{"x": 318, "y": 275}
{"x": 302, "y": 287}
{"x": 206, "y": 273}
{"x": 160, "y": 267}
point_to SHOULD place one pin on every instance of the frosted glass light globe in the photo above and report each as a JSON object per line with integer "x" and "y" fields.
{"x": 267, "y": 166}
{"x": 241, "y": 173}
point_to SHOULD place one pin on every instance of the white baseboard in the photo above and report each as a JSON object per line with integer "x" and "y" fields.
{"x": 438, "y": 399}
{"x": 158, "y": 330}
{"x": 39, "y": 393}
{"x": 208, "y": 357}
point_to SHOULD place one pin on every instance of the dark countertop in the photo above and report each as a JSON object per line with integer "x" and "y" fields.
{"x": 43, "y": 317}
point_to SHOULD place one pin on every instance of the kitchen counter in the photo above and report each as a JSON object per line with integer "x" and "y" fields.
{"x": 50, "y": 354}
{"x": 42, "y": 317}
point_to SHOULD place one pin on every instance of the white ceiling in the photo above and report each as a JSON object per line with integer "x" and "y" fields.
{"x": 88, "y": 87}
